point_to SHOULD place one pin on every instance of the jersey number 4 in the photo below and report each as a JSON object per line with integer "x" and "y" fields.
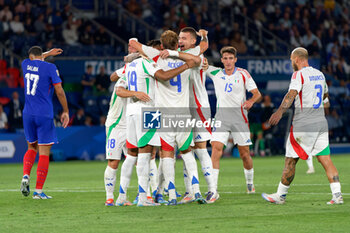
{"x": 32, "y": 78}
{"x": 176, "y": 83}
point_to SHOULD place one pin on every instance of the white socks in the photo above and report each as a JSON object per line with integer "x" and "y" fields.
{"x": 169, "y": 176}
{"x": 153, "y": 175}
{"x": 187, "y": 181}
{"x": 207, "y": 167}
{"x": 282, "y": 189}
{"x": 191, "y": 167}
{"x": 125, "y": 174}
{"x": 110, "y": 179}
{"x": 249, "y": 176}
{"x": 161, "y": 181}
{"x": 216, "y": 178}
{"x": 309, "y": 162}
{"x": 335, "y": 187}
{"x": 142, "y": 170}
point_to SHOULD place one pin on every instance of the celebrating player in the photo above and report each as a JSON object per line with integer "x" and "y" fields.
{"x": 139, "y": 143}
{"x": 309, "y": 131}
{"x": 200, "y": 110}
{"x": 231, "y": 85}
{"x": 174, "y": 93}
{"x": 41, "y": 79}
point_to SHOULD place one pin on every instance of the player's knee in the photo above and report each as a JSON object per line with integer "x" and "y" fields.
{"x": 113, "y": 163}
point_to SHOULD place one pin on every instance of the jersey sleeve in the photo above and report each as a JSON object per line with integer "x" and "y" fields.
{"x": 122, "y": 83}
{"x": 296, "y": 82}
{"x": 55, "y": 76}
{"x": 212, "y": 71}
{"x": 121, "y": 72}
{"x": 150, "y": 52}
{"x": 194, "y": 51}
{"x": 249, "y": 82}
{"x": 150, "y": 67}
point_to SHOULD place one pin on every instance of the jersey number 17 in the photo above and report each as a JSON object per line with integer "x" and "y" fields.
{"x": 32, "y": 78}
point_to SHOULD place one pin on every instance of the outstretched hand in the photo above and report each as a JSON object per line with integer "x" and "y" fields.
{"x": 64, "y": 119}
{"x": 142, "y": 96}
{"x": 202, "y": 32}
{"x": 55, "y": 52}
{"x": 205, "y": 64}
{"x": 275, "y": 118}
{"x": 164, "y": 54}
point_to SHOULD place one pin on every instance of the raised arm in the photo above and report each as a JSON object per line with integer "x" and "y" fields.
{"x": 204, "y": 44}
{"x": 286, "y": 103}
{"x": 63, "y": 101}
{"x": 52, "y": 52}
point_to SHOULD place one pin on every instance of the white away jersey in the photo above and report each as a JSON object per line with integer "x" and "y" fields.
{"x": 198, "y": 93}
{"x": 139, "y": 75}
{"x": 174, "y": 92}
{"x": 117, "y": 105}
{"x": 311, "y": 86}
{"x": 231, "y": 90}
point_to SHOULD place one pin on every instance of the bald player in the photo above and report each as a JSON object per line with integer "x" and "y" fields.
{"x": 309, "y": 131}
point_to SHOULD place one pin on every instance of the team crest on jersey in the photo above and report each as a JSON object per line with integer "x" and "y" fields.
{"x": 223, "y": 77}
{"x": 152, "y": 119}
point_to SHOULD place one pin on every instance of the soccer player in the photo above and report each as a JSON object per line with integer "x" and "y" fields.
{"x": 41, "y": 79}
{"x": 174, "y": 93}
{"x": 309, "y": 131}
{"x": 116, "y": 141}
{"x": 231, "y": 85}
{"x": 140, "y": 73}
{"x": 200, "y": 110}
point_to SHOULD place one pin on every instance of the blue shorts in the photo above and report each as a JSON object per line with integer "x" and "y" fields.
{"x": 39, "y": 129}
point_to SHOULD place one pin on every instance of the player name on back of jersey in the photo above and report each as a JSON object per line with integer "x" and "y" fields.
{"x": 32, "y": 68}
{"x": 316, "y": 78}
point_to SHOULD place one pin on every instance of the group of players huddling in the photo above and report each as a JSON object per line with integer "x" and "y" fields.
{"x": 170, "y": 73}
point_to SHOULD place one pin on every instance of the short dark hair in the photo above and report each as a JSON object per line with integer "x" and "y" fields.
{"x": 190, "y": 30}
{"x": 89, "y": 66}
{"x": 154, "y": 43}
{"x": 35, "y": 50}
{"x": 229, "y": 49}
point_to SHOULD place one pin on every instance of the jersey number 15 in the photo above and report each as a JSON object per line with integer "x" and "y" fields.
{"x": 32, "y": 78}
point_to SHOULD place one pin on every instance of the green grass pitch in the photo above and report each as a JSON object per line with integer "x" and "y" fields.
{"x": 78, "y": 202}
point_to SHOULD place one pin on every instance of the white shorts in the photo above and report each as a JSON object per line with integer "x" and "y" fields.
{"x": 239, "y": 138}
{"x": 169, "y": 140}
{"x": 201, "y": 134}
{"x": 115, "y": 142}
{"x": 304, "y": 144}
{"x": 138, "y": 137}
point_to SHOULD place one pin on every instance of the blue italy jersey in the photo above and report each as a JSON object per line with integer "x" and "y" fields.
{"x": 39, "y": 80}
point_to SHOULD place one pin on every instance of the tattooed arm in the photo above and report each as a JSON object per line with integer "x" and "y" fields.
{"x": 286, "y": 103}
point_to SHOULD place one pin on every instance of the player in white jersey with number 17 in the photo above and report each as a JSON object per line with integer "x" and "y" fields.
{"x": 309, "y": 131}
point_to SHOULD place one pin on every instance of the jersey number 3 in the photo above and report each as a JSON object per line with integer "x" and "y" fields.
{"x": 318, "y": 95}
{"x": 35, "y": 79}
